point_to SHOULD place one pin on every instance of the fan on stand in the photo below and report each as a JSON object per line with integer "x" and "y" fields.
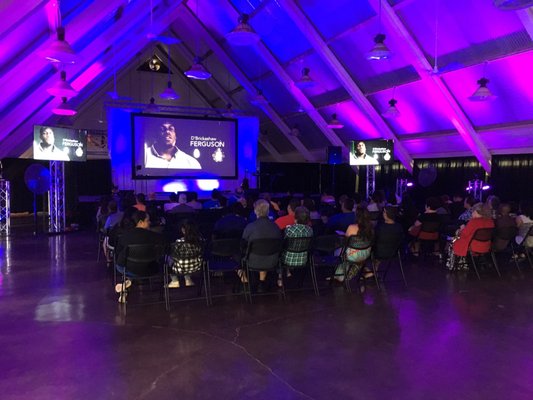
{"x": 37, "y": 179}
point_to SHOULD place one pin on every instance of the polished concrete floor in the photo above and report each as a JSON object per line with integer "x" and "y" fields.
{"x": 64, "y": 336}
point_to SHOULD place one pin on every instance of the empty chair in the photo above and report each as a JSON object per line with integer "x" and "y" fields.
{"x": 503, "y": 239}
{"x": 326, "y": 252}
{"x": 223, "y": 255}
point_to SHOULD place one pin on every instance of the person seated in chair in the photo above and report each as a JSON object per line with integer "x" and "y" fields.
{"x": 341, "y": 222}
{"x": 173, "y": 202}
{"x": 141, "y": 234}
{"x": 363, "y": 231}
{"x": 430, "y": 215}
{"x": 289, "y": 219}
{"x": 261, "y": 228}
{"x": 388, "y": 235}
{"x": 231, "y": 225}
{"x": 182, "y": 206}
{"x": 193, "y": 238}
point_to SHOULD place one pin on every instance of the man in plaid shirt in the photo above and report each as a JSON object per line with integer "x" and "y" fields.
{"x": 300, "y": 229}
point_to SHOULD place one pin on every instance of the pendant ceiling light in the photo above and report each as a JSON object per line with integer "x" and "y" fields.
{"x": 483, "y": 93}
{"x": 391, "y": 112}
{"x": 380, "y": 51}
{"x": 243, "y": 34}
{"x": 169, "y": 93}
{"x": 62, "y": 88}
{"x": 64, "y": 109}
{"x": 334, "y": 123}
{"x": 228, "y": 112}
{"x": 305, "y": 81}
{"x": 59, "y": 51}
{"x": 152, "y": 107}
{"x": 197, "y": 70}
{"x": 258, "y": 99}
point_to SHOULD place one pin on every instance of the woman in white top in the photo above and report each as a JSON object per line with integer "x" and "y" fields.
{"x": 524, "y": 222}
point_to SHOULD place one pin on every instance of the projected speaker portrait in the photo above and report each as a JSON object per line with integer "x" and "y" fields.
{"x": 371, "y": 152}
{"x": 59, "y": 144}
{"x": 182, "y": 146}
{"x": 161, "y": 150}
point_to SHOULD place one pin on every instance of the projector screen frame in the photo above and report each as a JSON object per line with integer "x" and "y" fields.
{"x": 138, "y": 171}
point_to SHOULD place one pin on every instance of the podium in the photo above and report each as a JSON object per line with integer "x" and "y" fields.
{"x": 4, "y": 207}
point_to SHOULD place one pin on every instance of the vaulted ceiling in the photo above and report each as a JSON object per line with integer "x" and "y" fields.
{"x": 440, "y": 49}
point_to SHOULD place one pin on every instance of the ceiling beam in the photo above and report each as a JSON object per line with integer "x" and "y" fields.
{"x": 422, "y": 66}
{"x": 345, "y": 79}
{"x": 246, "y": 84}
{"x": 526, "y": 16}
{"x": 38, "y": 107}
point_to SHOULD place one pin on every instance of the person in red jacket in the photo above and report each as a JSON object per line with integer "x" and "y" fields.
{"x": 481, "y": 218}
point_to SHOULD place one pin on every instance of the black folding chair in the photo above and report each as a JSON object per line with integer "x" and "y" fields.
{"x": 297, "y": 255}
{"x": 429, "y": 229}
{"x": 503, "y": 238}
{"x": 482, "y": 235}
{"x": 142, "y": 262}
{"x": 326, "y": 251}
{"x": 261, "y": 255}
{"x": 385, "y": 250}
{"x": 223, "y": 255}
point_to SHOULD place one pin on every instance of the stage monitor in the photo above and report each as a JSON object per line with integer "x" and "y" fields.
{"x": 170, "y": 146}
{"x": 59, "y": 144}
{"x": 371, "y": 152}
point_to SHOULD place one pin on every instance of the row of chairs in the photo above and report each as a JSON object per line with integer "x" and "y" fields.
{"x": 228, "y": 255}
{"x": 502, "y": 241}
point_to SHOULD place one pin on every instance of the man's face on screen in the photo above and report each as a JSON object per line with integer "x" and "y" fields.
{"x": 167, "y": 135}
{"x": 360, "y": 149}
{"x": 48, "y": 137}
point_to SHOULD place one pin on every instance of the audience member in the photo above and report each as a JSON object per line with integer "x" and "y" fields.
{"x": 288, "y": 219}
{"x": 141, "y": 234}
{"x": 182, "y": 206}
{"x": 261, "y": 228}
{"x": 193, "y": 240}
{"x": 467, "y": 213}
{"x": 140, "y": 202}
{"x": 340, "y": 222}
{"x": 173, "y": 202}
{"x": 231, "y": 225}
{"x": 193, "y": 202}
{"x": 362, "y": 233}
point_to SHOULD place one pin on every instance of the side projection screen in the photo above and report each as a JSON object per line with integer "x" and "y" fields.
{"x": 170, "y": 146}
{"x": 371, "y": 152}
{"x": 59, "y": 144}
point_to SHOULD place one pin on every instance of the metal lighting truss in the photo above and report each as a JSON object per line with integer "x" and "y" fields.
{"x": 4, "y": 207}
{"x": 56, "y": 199}
{"x": 370, "y": 180}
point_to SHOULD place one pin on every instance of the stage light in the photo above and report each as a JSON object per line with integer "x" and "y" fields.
{"x": 410, "y": 184}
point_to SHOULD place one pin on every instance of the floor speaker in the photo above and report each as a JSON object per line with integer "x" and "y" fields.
{"x": 334, "y": 155}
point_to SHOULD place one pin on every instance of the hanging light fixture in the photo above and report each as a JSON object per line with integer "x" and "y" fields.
{"x": 334, "y": 123}
{"x": 62, "y": 88}
{"x": 483, "y": 93}
{"x": 379, "y": 51}
{"x": 197, "y": 70}
{"x": 391, "y": 112}
{"x": 59, "y": 51}
{"x": 258, "y": 99}
{"x": 228, "y": 112}
{"x": 64, "y": 109}
{"x": 305, "y": 81}
{"x": 243, "y": 34}
{"x": 152, "y": 107}
{"x": 169, "y": 93}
